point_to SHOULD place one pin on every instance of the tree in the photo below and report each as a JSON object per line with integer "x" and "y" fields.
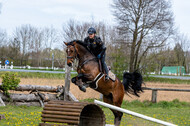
{"x": 29, "y": 40}
{"x": 180, "y": 55}
{"x": 3, "y": 37}
{"x": 145, "y": 23}
{"x": 74, "y": 30}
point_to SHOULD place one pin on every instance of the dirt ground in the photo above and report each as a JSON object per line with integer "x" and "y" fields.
{"x": 146, "y": 95}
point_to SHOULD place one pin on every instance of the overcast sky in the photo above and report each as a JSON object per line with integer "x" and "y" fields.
{"x": 54, "y": 13}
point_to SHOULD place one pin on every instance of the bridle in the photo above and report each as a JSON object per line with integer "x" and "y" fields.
{"x": 75, "y": 53}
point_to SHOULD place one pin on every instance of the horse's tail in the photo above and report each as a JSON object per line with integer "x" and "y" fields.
{"x": 132, "y": 82}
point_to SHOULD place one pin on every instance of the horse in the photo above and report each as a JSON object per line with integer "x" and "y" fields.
{"x": 89, "y": 72}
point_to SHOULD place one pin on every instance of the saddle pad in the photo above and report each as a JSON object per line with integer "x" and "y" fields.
{"x": 111, "y": 75}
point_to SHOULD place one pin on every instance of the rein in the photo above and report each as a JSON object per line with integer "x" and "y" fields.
{"x": 86, "y": 61}
{"x": 76, "y": 56}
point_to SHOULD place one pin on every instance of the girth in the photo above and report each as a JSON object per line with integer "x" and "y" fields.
{"x": 94, "y": 83}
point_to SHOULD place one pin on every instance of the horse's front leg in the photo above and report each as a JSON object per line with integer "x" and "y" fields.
{"x": 78, "y": 81}
{"x": 75, "y": 79}
{"x": 81, "y": 86}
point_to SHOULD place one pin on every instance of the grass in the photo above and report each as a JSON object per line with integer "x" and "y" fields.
{"x": 39, "y": 75}
{"x": 20, "y": 115}
{"x": 175, "y": 112}
{"x": 166, "y": 80}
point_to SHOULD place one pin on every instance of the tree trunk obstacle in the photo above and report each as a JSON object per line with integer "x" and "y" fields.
{"x": 37, "y": 96}
{"x": 72, "y": 113}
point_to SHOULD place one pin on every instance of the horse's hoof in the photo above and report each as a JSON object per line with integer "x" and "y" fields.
{"x": 82, "y": 88}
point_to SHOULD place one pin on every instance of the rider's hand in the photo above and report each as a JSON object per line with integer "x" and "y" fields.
{"x": 99, "y": 56}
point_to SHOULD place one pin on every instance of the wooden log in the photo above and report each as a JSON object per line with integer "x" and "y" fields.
{"x": 27, "y": 97}
{"x": 52, "y": 124}
{"x": 36, "y": 103}
{"x": 74, "y": 106}
{"x": 61, "y": 113}
{"x": 26, "y": 103}
{"x": 60, "y": 121}
{"x": 61, "y": 109}
{"x": 36, "y": 87}
{"x": 166, "y": 89}
{"x": 60, "y": 117}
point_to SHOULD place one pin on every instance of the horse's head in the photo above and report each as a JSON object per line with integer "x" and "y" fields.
{"x": 71, "y": 52}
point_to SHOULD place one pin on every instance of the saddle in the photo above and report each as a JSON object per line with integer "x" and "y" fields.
{"x": 112, "y": 76}
{"x": 94, "y": 83}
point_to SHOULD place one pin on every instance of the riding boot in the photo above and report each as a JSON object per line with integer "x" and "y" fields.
{"x": 105, "y": 68}
{"x": 106, "y": 71}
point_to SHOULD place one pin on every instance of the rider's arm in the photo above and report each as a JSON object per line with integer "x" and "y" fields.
{"x": 99, "y": 41}
{"x": 103, "y": 49}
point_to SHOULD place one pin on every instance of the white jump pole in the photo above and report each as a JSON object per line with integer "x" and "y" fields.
{"x": 133, "y": 113}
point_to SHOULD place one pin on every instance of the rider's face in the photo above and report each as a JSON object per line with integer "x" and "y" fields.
{"x": 91, "y": 36}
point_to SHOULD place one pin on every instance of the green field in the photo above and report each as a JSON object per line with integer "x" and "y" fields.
{"x": 165, "y": 80}
{"x": 175, "y": 112}
{"x": 38, "y": 75}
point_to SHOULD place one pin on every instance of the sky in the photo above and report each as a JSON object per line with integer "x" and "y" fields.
{"x": 47, "y": 13}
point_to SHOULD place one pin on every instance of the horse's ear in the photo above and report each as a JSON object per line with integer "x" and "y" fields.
{"x": 66, "y": 43}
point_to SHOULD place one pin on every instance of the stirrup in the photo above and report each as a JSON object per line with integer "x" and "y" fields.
{"x": 106, "y": 77}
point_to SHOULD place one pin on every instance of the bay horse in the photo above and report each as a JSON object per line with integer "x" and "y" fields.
{"x": 89, "y": 71}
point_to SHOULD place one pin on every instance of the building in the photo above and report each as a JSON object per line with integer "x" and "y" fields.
{"x": 173, "y": 70}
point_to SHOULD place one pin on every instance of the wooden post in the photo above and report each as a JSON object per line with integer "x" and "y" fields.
{"x": 1, "y": 102}
{"x": 67, "y": 82}
{"x": 101, "y": 96}
{"x": 154, "y": 96}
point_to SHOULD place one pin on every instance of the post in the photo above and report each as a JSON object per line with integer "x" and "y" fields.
{"x": 154, "y": 96}
{"x": 0, "y": 64}
{"x": 101, "y": 96}
{"x": 67, "y": 82}
{"x": 1, "y": 102}
{"x": 52, "y": 61}
{"x": 11, "y": 65}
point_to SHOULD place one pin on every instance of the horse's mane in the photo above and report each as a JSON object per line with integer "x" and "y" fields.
{"x": 80, "y": 43}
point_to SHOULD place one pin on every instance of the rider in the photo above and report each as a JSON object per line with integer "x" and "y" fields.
{"x": 97, "y": 47}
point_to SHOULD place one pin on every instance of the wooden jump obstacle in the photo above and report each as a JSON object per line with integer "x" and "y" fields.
{"x": 64, "y": 113}
{"x": 154, "y": 92}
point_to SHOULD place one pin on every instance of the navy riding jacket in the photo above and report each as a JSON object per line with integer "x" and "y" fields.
{"x": 95, "y": 45}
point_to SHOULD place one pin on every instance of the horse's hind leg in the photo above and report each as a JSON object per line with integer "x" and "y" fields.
{"x": 118, "y": 115}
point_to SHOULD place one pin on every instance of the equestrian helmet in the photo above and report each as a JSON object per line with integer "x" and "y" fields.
{"x": 91, "y": 31}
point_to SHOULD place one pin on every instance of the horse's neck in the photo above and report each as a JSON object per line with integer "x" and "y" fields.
{"x": 84, "y": 54}
{"x": 85, "y": 57}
